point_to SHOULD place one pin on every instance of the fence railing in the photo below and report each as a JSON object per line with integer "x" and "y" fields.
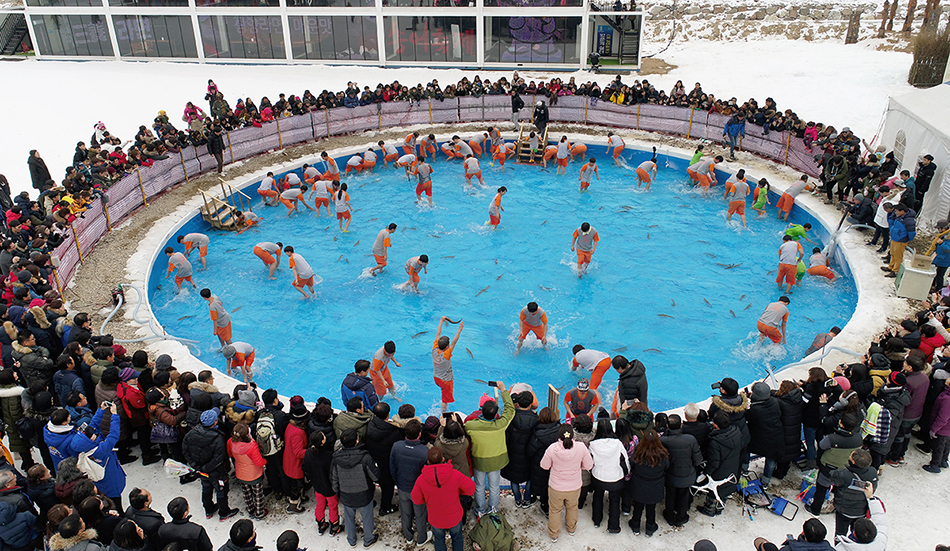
{"x": 135, "y": 190}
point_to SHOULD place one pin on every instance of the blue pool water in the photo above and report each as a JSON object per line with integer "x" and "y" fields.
{"x": 661, "y": 252}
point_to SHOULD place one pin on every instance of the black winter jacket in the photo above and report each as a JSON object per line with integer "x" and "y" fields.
{"x": 352, "y": 474}
{"x": 764, "y": 419}
{"x": 632, "y": 384}
{"x": 380, "y": 438}
{"x": 149, "y": 521}
{"x": 517, "y": 436}
{"x": 685, "y": 457}
{"x": 206, "y": 451}
{"x": 850, "y": 502}
{"x": 736, "y": 407}
{"x": 700, "y": 431}
{"x": 543, "y": 436}
{"x": 724, "y": 447}
{"x": 791, "y": 405}
{"x": 649, "y": 483}
{"x": 406, "y": 461}
{"x": 316, "y": 465}
{"x": 191, "y": 536}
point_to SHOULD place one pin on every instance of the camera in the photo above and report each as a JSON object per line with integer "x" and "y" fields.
{"x": 716, "y": 386}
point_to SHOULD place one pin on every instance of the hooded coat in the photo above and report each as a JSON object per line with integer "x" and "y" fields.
{"x": 735, "y": 406}
{"x": 83, "y": 541}
{"x": 764, "y": 419}
{"x": 39, "y": 174}
{"x": 685, "y": 458}
{"x": 632, "y": 384}
{"x": 11, "y": 406}
{"x": 723, "y": 453}
{"x": 316, "y": 465}
{"x": 543, "y": 436}
{"x": 457, "y": 450}
{"x": 35, "y": 363}
{"x": 517, "y": 436}
{"x": 352, "y": 474}
{"x": 103, "y": 453}
{"x": 439, "y": 488}
{"x": 380, "y": 437}
{"x": 16, "y": 528}
{"x": 205, "y": 450}
{"x": 791, "y": 405}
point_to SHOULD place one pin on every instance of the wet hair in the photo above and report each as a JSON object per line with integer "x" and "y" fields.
{"x": 565, "y": 434}
{"x": 807, "y": 226}
{"x": 741, "y": 174}
{"x": 389, "y": 347}
{"x": 391, "y": 227}
{"x": 169, "y": 250}
{"x": 502, "y": 189}
{"x": 424, "y": 258}
{"x": 343, "y": 188}
{"x": 205, "y": 293}
{"x": 532, "y": 307}
{"x": 585, "y": 227}
{"x": 443, "y": 342}
{"x": 719, "y": 158}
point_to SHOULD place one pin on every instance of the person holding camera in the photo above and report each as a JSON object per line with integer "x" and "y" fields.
{"x": 849, "y": 484}
{"x": 89, "y": 441}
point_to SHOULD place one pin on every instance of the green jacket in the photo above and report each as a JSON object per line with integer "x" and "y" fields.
{"x": 489, "y": 450}
{"x": 493, "y": 533}
{"x": 11, "y": 406}
{"x": 349, "y": 420}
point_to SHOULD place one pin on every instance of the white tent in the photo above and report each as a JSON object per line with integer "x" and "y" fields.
{"x": 916, "y": 124}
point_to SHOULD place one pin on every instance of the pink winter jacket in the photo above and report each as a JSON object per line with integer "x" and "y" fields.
{"x": 248, "y": 462}
{"x": 566, "y": 465}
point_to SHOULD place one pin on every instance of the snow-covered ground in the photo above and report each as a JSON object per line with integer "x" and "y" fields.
{"x": 52, "y": 105}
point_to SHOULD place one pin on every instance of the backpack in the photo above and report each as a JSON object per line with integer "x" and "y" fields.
{"x": 133, "y": 404}
{"x": 267, "y": 439}
{"x": 348, "y": 393}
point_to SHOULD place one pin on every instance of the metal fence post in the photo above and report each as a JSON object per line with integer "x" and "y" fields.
{"x": 105, "y": 210}
{"x": 58, "y": 286}
{"x": 586, "y": 103}
{"x": 430, "y": 110}
{"x": 788, "y": 142}
{"x": 638, "y": 117}
{"x": 313, "y": 129}
{"x": 327, "y": 111}
{"x": 230, "y": 151}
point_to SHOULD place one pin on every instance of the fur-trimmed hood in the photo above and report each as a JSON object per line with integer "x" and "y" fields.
{"x": 203, "y": 387}
{"x": 731, "y": 406}
{"x": 11, "y": 330}
{"x": 401, "y": 423}
{"x": 59, "y": 543}
{"x": 39, "y": 316}
{"x": 17, "y": 347}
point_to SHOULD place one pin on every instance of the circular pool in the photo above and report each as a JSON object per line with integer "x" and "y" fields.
{"x": 671, "y": 284}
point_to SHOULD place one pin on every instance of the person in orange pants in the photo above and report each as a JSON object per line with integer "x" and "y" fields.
{"x": 333, "y": 171}
{"x": 379, "y": 373}
{"x": 703, "y": 172}
{"x": 819, "y": 265}
{"x": 585, "y": 239}
{"x": 408, "y": 162}
{"x": 790, "y": 254}
{"x": 427, "y": 147}
{"x": 502, "y": 152}
{"x": 579, "y": 149}
{"x": 616, "y": 142}
{"x": 267, "y": 252}
{"x": 549, "y": 153}
{"x": 354, "y": 164}
{"x": 239, "y": 355}
{"x": 292, "y": 196}
{"x": 533, "y": 320}
{"x": 595, "y": 361}
{"x": 587, "y": 172}
{"x": 772, "y": 322}
{"x": 473, "y": 170}
{"x": 739, "y": 188}
{"x": 369, "y": 160}
{"x": 495, "y": 209}
{"x": 581, "y": 400}
{"x": 177, "y": 261}
{"x": 415, "y": 265}
{"x": 390, "y": 153}
{"x": 442, "y": 372}
{"x": 563, "y": 155}
{"x": 646, "y": 173}
{"x": 220, "y": 319}
{"x": 448, "y": 150}
{"x": 409, "y": 144}
{"x": 197, "y": 241}
{"x": 268, "y": 189}
{"x": 477, "y": 143}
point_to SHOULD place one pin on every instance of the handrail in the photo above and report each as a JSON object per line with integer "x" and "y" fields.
{"x": 150, "y": 323}
{"x": 828, "y": 349}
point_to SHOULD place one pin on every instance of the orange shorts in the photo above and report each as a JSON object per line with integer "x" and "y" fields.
{"x": 583, "y": 257}
{"x": 549, "y": 154}
{"x": 265, "y": 256}
{"x": 585, "y": 185}
{"x": 771, "y": 332}
{"x": 447, "y": 149}
{"x": 178, "y": 280}
{"x": 413, "y": 276}
{"x": 578, "y": 150}
{"x": 617, "y": 151}
{"x": 447, "y": 387}
{"x": 788, "y": 272}
{"x": 598, "y": 375}
{"x": 701, "y": 179}
{"x": 380, "y": 260}
{"x": 288, "y": 203}
{"x": 425, "y": 187}
{"x": 352, "y": 168}
{"x": 562, "y": 162}
{"x": 477, "y": 175}
{"x": 322, "y": 202}
{"x": 643, "y": 176}
{"x": 382, "y": 380}
{"x": 341, "y": 215}
{"x": 823, "y": 271}
{"x": 408, "y": 149}
{"x": 267, "y": 193}
{"x": 476, "y": 148}
{"x": 303, "y": 282}
{"x": 391, "y": 157}
{"x": 369, "y": 165}
{"x": 249, "y": 361}
{"x": 785, "y": 203}
{"x": 223, "y": 333}
{"x": 736, "y": 207}
{"x": 494, "y": 219}
{"x": 538, "y": 330}
{"x": 334, "y": 176}
{"x": 313, "y": 179}
{"x": 203, "y": 251}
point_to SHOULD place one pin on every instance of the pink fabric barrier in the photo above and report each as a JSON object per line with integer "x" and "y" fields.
{"x": 126, "y": 195}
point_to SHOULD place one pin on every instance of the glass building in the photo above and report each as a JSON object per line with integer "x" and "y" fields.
{"x": 458, "y": 33}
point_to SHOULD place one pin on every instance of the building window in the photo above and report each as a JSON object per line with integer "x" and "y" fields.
{"x": 900, "y": 146}
{"x": 241, "y": 37}
{"x": 430, "y": 39}
{"x": 331, "y": 3}
{"x": 533, "y": 3}
{"x": 532, "y": 39}
{"x": 155, "y": 36}
{"x": 429, "y": 3}
{"x": 148, "y": 3}
{"x": 72, "y": 35}
{"x": 337, "y": 37}
{"x": 238, "y": 3}
{"x": 81, "y": 3}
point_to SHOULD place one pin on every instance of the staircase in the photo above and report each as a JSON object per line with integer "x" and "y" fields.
{"x": 524, "y": 145}
{"x": 218, "y": 213}
{"x": 629, "y": 47}
{"x": 13, "y": 33}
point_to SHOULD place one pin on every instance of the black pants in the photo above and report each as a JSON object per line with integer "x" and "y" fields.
{"x": 212, "y": 487}
{"x": 781, "y": 469}
{"x": 938, "y": 279}
{"x": 614, "y": 492}
{"x": 843, "y": 524}
{"x": 883, "y": 233}
{"x": 583, "y": 497}
{"x": 274, "y": 471}
{"x": 820, "y": 493}
{"x": 677, "y": 503}
{"x": 387, "y": 488}
{"x": 638, "y": 509}
{"x": 902, "y": 440}
{"x": 220, "y": 158}
{"x": 144, "y": 434}
{"x": 626, "y": 499}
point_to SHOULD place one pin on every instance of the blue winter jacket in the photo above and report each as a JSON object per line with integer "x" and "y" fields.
{"x": 113, "y": 483}
{"x": 943, "y": 255}
{"x": 16, "y": 529}
{"x": 406, "y": 461}
{"x": 361, "y": 386}
{"x": 66, "y": 381}
{"x": 60, "y": 443}
{"x": 735, "y": 127}
{"x": 904, "y": 228}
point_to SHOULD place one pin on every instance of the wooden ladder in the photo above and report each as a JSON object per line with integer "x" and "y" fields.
{"x": 218, "y": 213}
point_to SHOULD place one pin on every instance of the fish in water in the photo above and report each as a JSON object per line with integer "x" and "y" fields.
{"x": 361, "y": 185}
{"x": 711, "y": 255}
{"x": 326, "y": 228}
{"x": 666, "y": 316}
{"x": 334, "y": 238}
{"x": 654, "y": 226}
{"x": 770, "y": 272}
{"x": 707, "y": 302}
{"x": 236, "y": 309}
{"x": 648, "y": 236}
{"x": 674, "y": 303}
{"x": 733, "y": 313}
{"x": 499, "y": 277}
{"x": 450, "y": 256}
{"x": 601, "y": 208}
{"x": 685, "y": 206}
{"x": 723, "y": 265}
{"x": 621, "y": 349}
{"x": 809, "y": 319}
{"x": 347, "y": 260}
{"x": 419, "y": 333}
{"x": 470, "y": 355}
{"x": 230, "y": 250}
{"x": 482, "y": 291}
{"x": 339, "y": 259}
{"x": 701, "y": 241}
{"x": 412, "y": 228}
{"x": 628, "y": 207}
{"x": 731, "y": 266}
{"x": 436, "y": 236}
{"x": 371, "y": 219}
{"x": 357, "y": 243}
{"x": 747, "y": 307}
{"x": 543, "y": 288}
{"x": 496, "y": 261}
{"x": 184, "y": 317}
{"x": 543, "y": 223}
{"x": 653, "y": 350}
{"x": 742, "y": 297}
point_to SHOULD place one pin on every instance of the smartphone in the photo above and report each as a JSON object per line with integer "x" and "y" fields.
{"x": 493, "y": 383}
{"x": 447, "y": 415}
{"x": 716, "y": 385}
{"x": 106, "y": 405}
{"x": 82, "y": 427}
{"x": 859, "y": 485}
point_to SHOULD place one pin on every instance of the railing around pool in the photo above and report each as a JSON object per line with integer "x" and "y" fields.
{"x": 134, "y": 190}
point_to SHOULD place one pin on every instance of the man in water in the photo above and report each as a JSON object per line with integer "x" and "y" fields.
{"x": 415, "y": 265}
{"x": 580, "y": 400}
{"x": 495, "y": 209}
{"x": 533, "y": 319}
{"x": 473, "y": 170}
{"x": 704, "y": 172}
{"x": 177, "y": 261}
{"x": 390, "y": 153}
{"x": 333, "y": 171}
{"x": 818, "y": 265}
{"x": 798, "y": 231}
{"x": 407, "y": 161}
{"x": 772, "y": 322}
{"x": 646, "y": 173}
{"x": 267, "y": 252}
{"x": 787, "y": 200}
{"x": 220, "y": 319}
{"x": 239, "y": 355}
{"x": 424, "y": 171}
{"x": 379, "y": 248}
{"x": 585, "y": 241}
{"x": 822, "y": 340}
{"x": 616, "y": 142}
{"x": 595, "y": 361}
{"x": 379, "y": 373}
{"x": 292, "y": 196}
{"x": 268, "y": 190}
{"x": 790, "y": 253}
{"x": 587, "y": 171}
{"x": 303, "y": 273}
{"x": 196, "y": 241}
{"x": 246, "y": 220}
{"x": 442, "y": 363}
{"x": 739, "y": 188}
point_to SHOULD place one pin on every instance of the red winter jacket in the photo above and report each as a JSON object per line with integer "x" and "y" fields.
{"x": 295, "y": 446}
{"x": 439, "y": 488}
{"x": 248, "y": 462}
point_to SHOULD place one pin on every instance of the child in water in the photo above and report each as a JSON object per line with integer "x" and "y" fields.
{"x": 761, "y": 197}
